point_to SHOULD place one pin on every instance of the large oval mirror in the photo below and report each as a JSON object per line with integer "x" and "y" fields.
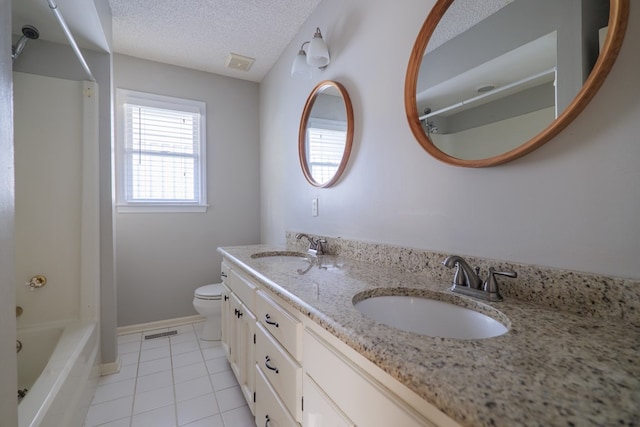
{"x": 489, "y": 81}
{"x": 326, "y": 134}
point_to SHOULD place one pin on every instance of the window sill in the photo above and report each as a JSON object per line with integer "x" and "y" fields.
{"x": 160, "y": 208}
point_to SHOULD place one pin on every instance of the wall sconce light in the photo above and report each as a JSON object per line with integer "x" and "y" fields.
{"x": 316, "y": 55}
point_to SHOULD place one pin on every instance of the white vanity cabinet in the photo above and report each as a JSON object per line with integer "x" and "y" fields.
{"x": 304, "y": 376}
{"x": 238, "y": 334}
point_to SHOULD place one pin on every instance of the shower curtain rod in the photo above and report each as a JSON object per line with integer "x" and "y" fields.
{"x": 54, "y": 8}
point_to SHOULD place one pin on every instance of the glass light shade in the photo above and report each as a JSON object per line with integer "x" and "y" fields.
{"x": 318, "y": 53}
{"x": 300, "y": 69}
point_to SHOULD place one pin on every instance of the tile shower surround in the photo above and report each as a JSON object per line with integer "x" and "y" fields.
{"x": 580, "y": 293}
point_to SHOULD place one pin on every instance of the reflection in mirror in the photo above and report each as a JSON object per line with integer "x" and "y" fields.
{"x": 491, "y": 80}
{"x": 326, "y": 134}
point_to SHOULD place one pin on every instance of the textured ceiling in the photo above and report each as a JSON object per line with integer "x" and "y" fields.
{"x": 199, "y": 34}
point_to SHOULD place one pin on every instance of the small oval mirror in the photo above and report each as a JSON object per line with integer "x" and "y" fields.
{"x": 490, "y": 81}
{"x": 326, "y": 134}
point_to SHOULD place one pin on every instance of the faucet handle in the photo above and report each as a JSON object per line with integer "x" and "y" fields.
{"x": 491, "y": 285}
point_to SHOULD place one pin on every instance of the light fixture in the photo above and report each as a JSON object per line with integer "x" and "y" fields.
{"x": 316, "y": 55}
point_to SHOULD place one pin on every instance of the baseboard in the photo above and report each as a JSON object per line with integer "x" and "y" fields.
{"x": 169, "y": 323}
{"x": 110, "y": 368}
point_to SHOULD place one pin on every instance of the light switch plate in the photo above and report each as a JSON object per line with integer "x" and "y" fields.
{"x": 314, "y": 207}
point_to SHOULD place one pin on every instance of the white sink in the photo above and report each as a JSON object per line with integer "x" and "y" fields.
{"x": 430, "y": 317}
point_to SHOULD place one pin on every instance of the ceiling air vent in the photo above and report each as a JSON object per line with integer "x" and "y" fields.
{"x": 238, "y": 62}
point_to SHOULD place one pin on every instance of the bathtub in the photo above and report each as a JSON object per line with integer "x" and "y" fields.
{"x": 59, "y": 366}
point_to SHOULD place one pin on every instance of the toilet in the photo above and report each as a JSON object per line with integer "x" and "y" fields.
{"x": 208, "y": 303}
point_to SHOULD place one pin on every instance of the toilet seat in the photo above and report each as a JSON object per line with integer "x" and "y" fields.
{"x": 209, "y": 292}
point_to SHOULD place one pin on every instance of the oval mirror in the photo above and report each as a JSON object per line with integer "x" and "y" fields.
{"x": 489, "y": 81}
{"x": 326, "y": 134}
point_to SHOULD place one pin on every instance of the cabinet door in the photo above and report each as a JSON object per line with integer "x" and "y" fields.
{"x": 319, "y": 409}
{"x": 247, "y": 385}
{"x": 226, "y": 321}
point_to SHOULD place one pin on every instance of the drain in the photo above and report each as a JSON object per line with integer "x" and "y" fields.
{"x": 160, "y": 335}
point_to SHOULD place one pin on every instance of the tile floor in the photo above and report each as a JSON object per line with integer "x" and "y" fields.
{"x": 169, "y": 382}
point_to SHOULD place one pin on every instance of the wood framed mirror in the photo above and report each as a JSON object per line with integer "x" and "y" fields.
{"x": 488, "y": 83}
{"x": 325, "y": 137}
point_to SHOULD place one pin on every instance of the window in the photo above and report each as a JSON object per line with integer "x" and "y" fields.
{"x": 161, "y": 156}
{"x": 325, "y": 147}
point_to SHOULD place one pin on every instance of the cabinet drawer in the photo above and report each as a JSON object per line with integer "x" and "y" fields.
{"x": 280, "y": 323}
{"x": 270, "y": 411}
{"x": 282, "y": 371}
{"x": 243, "y": 288}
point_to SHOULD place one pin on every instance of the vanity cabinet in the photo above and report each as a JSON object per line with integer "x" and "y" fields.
{"x": 238, "y": 334}
{"x": 302, "y": 375}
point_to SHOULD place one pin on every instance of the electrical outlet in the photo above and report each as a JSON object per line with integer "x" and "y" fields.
{"x": 314, "y": 207}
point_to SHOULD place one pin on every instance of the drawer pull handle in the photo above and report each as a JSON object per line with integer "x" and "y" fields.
{"x": 223, "y": 274}
{"x": 239, "y": 314}
{"x": 267, "y": 319}
{"x": 267, "y": 421}
{"x": 226, "y": 297}
{"x": 266, "y": 363}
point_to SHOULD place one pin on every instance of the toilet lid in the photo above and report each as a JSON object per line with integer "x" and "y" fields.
{"x": 209, "y": 291}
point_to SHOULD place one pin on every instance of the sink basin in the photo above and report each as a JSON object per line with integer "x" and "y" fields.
{"x": 281, "y": 254}
{"x": 429, "y": 317}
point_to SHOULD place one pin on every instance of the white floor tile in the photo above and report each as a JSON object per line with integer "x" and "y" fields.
{"x": 217, "y": 365}
{"x": 126, "y": 372}
{"x": 114, "y": 391}
{"x": 193, "y": 388}
{"x": 230, "y": 398}
{"x": 174, "y": 381}
{"x": 153, "y": 366}
{"x": 154, "y": 381}
{"x": 223, "y": 380}
{"x": 184, "y": 347}
{"x": 240, "y": 417}
{"x": 184, "y": 337}
{"x": 109, "y": 411}
{"x": 195, "y": 409}
{"x": 152, "y": 399}
{"x": 214, "y": 352}
{"x": 129, "y": 347}
{"x": 155, "y": 343}
{"x": 214, "y": 421}
{"x": 160, "y": 417}
{"x": 189, "y": 372}
{"x": 122, "y": 422}
{"x": 129, "y": 358}
{"x": 185, "y": 359}
{"x": 154, "y": 353}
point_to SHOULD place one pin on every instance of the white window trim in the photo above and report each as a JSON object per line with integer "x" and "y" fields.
{"x": 159, "y": 101}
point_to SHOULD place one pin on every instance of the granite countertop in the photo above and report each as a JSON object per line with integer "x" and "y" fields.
{"x": 550, "y": 368}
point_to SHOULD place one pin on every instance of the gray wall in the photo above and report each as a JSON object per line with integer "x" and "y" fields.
{"x": 573, "y": 203}
{"x": 162, "y": 258}
{"x": 8, "y": 371}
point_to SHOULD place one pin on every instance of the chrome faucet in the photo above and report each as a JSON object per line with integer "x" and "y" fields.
{"x": 315, "y": 244}
{"x": 467, "y": 282}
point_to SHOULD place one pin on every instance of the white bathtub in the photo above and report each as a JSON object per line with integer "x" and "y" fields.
{"x": 60, "y": 367}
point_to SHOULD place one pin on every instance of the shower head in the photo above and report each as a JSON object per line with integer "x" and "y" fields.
{"x": 29, "y": 32}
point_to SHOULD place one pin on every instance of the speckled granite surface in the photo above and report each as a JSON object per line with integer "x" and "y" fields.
{"x": 580, "y": 293}
{"x": 551, "y": 368}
